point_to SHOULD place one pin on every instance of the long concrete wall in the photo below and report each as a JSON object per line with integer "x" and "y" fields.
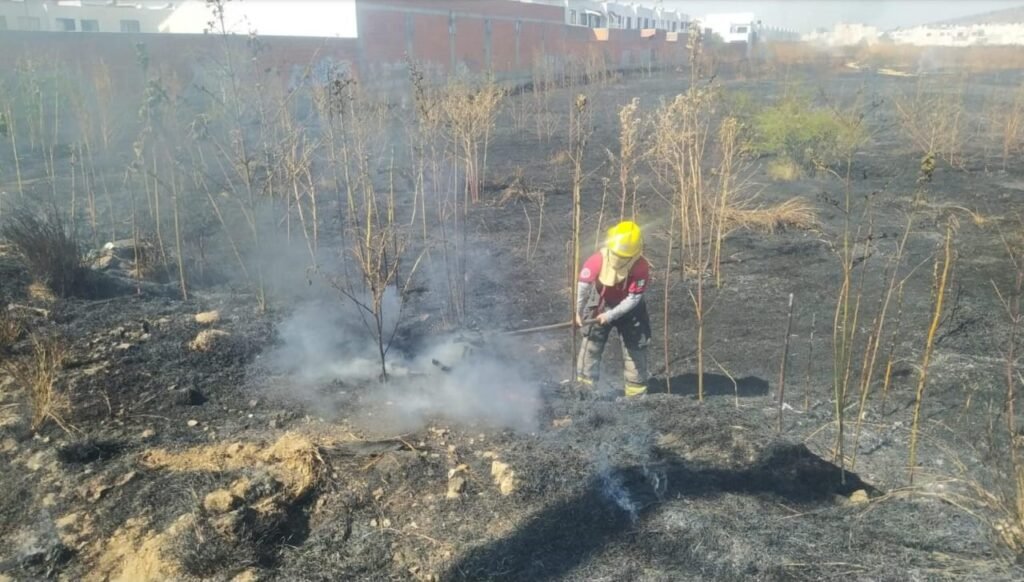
{"x": 506, "y": 38}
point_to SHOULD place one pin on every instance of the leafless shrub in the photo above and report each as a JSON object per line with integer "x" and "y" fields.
{"x": 470, "y": 111}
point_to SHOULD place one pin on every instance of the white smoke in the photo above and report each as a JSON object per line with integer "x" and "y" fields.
{"x": 327, "y": 346}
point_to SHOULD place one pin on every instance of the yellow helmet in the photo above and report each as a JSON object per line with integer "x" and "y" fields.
{"x": 625, "y": 239}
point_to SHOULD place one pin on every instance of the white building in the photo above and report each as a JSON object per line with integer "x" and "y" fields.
{"x": 960, "y": 35}
{"x": 83, "y": 15}
{"x": 732, "y": 26}
{"x": 743, "y": 27}
{"x": 317, "y": 18}
{"x": 999, "y": 28}
{"x": 844, "y": 34}
{"x": 334, "y": 18}
{"x": 621, "y": 15}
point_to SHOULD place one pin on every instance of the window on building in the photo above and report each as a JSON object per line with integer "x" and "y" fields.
{"x": 740, "y": 29}
{"x": 572, "y": 17}
{"x": 3, "y": 23}
{"x": 64, "y": 24}
{"x": 90, "y": 25}
{"x": 29, "y": 23}
{"x": 629, "y": 22}
{"x": 130, "y": 26}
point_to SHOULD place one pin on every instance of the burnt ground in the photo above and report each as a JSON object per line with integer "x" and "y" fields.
{"x": 663, "y": 488}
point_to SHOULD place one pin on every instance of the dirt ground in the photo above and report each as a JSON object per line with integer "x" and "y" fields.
{"x": 190, "y": 464}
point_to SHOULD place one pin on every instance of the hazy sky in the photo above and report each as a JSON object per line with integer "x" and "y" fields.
{"x": 806, "y": 15}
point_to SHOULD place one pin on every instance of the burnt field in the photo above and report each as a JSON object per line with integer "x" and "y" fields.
{"x": 205, "y": 397}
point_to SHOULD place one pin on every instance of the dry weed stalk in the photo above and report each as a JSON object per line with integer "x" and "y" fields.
{"x": 630, "y": 137}
{"x": 544, "y": 80}
{"x": 943, "y": 266}
{"x": 785, "y": 359}
{"x": 810, "y": 362}
{"x": 729, "y": 146}
{"x": 875, "y": 339}
{"x": 426, "y": 150}
{"x": 1012, "y": 122}
{"x": 1011, "y": 528}
{"x": 847, "y": 311}
{"x": 37, "y": 375}
{"x": 890, "y": 359}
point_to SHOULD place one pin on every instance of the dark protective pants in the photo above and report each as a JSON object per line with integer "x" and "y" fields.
{"x": 635, "y": 332}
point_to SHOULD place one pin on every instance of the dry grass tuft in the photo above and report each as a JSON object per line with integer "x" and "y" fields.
{"x": 793, "y": 214}
{"x": 36, "y": 374}
{"x": 784, "y": 170}
{"x": 208, "y": 317}
{"x": 41, "y": 292}
{"x": 135, "y": 552}
{"x": 10, "y": 330}
{"x": 517, "y": 189}
{"x": 207, "y": 340}
{"x": 50, "y": 250}
{"x": 293, "y": 460}
{"x": 560, "y": 158}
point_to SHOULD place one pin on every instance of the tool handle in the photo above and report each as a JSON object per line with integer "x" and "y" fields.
{"x": 551, "y": 327}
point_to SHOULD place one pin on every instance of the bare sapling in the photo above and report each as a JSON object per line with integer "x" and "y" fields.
{"x": 378, "y": 251}
{"x": 666, "y": 301}
{"x": 932, "y": 119}
{"x": 579, "y": 133}
{"x": 943, "y": 266}
{"x": 297, "y": 169}
{"x": 470, "y": 112}
{"x": 785, "y": 359}
{"x": 238, "y": 151}
{"x": 680, "y": 136}
{"x": 424, "y": 142}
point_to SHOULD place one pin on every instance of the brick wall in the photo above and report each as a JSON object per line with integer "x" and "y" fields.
{"x": 444, "y": 36}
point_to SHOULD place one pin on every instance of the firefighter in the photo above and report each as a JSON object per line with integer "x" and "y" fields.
{"x": 610, "y": 292}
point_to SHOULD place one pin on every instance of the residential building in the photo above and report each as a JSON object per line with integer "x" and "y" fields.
{"x": 844, "y": 34}
{"x": 87, "y": 16}
{"x": 1002, "y": 27}
{"x": 316, "y": 18}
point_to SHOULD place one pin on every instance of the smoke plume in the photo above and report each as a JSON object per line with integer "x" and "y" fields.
{"x": 325, "y": 349}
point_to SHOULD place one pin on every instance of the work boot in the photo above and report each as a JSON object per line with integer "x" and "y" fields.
{"x": 582, "y": 389}
{"x": 634, "y": 390}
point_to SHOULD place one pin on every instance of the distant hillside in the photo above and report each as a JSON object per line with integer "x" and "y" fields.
{"x": 1005, "y": 16}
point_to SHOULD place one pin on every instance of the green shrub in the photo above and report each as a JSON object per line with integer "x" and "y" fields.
{"x": 813, "y": 137}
